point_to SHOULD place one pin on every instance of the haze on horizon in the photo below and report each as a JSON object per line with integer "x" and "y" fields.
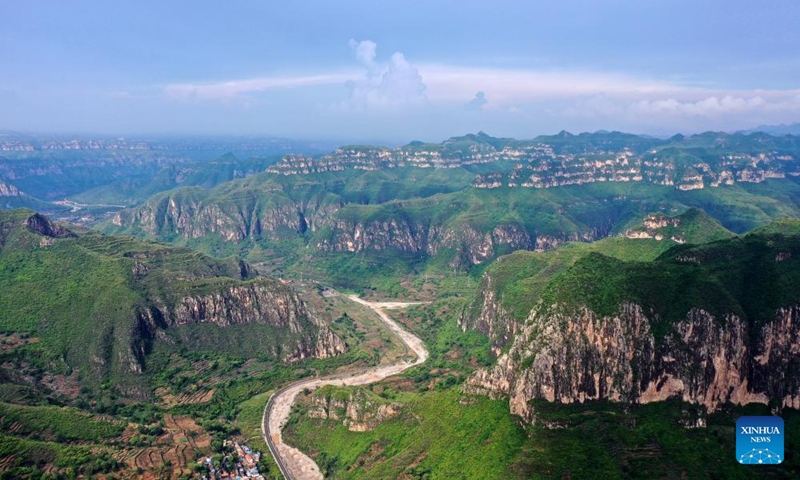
{"x": 398, "y": 71}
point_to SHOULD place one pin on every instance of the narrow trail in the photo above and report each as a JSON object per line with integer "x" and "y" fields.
{"x": 293, "y": 463}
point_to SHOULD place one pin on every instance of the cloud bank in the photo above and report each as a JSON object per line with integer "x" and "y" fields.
{"x": 395, "y": 87}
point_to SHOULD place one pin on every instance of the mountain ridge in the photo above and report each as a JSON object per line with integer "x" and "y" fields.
{"x": 710, "y": 323}
{"x": 103, "y": 303}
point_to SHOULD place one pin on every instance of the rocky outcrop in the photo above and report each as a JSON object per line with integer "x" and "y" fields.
{"x": 260, "y": 302}
{"x": 43, "y": 226}
{"x": 492, "y": 320}
{"x": 568, "y": 356}
{"x": 549, "y": 242}
{"x": 331, "y": 226}
{"x": 191, "y": 218}
{"x": 542, "y": 165}
{"x": 360, "y": 411}
{"x": 8, "y": 190}
{"x": 470, "y": 246}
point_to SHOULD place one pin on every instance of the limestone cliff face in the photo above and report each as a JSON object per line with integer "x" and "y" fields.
{"x": 543, "y": 163}
{"x": 492, "y": 320}
{"x": 8, "y": 190}
{"x": 471, "y": 247}
{"x": 359, "y": 412}
{"x": 189, "y": 218}
{"x": 574, "y": 356}
{"x": 264, "y": 303}
{"x": 330, "y": 229}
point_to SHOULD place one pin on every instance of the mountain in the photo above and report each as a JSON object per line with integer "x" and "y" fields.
{"x": 119, "y": 177}
{"x": 778, "y": 130}
{"x": 463, "y": 202}
{"x": 709, "y": 324}
{"x": 95, "y": 308}
{"x": 654, "y": 386}
{"x": 12, "y": 197}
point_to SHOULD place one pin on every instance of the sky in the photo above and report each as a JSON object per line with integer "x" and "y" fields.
{"x": 397, "y": 70}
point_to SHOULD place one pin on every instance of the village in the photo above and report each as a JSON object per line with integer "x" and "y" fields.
{"x": 241, "y": 463}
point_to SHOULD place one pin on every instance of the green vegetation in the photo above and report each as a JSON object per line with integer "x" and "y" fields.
{"x": 475, "y": 437}
{"x": 750, "y": 276}
{"x": 736, "y": 275}
{"x": 438, "y": 435}
{"x": 56, "y": 422}
{"x": 83, "y": 296}
{"x": 30, "y": 456}
{"x": 83, "y": 320}
{"x": 605, "y": 440}
{"x": 300, "y": 226}
{"x": 520, "y": 279}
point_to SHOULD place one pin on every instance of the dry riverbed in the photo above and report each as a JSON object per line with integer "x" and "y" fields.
{"x": 295, "y": 464}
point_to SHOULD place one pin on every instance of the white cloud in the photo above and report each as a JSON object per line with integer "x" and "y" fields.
{"x": 395, "y": 85}
{"x": 236, "y": 88}
{"x": 709, "y": 106}
{"x": 365, "y": 51}
{"x": 453, "y": 83}
{"x": 568, "y": 99}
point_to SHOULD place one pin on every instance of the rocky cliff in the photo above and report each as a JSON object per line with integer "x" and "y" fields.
{"x": 8, "y": 190}
{"x": 687, "y": 333}
{"x": 469, "y": 229}
{"x": 401, "y": 201}
{"x": 104, "y": 303}
{"x": 358, "y": 409}
{"x": 258, "y": 302}
{"x": 567, "y": 159}
{"x": 705, "y": 360}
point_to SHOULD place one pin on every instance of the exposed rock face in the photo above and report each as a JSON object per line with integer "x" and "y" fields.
{"x": 471, "y": 246}
{"x": 541, "y": 166}
{"x": 330, "y": 229}
{"x": 359, "y": 412}
{"x": 548, "y": 242}
{"x": 575, "y": 356}
{"x": 493, "y": 320}
{"x": 265, "y": 303}
{"x": 191, "y": 218}
{"x": 650, "y": 226}
{"x": 43, "y": 226}
{"x": 8, "y": 190}
{"x": 331, "y": 226}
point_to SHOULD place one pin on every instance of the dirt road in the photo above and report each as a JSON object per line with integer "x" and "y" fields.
{"x": 294, "y": 464}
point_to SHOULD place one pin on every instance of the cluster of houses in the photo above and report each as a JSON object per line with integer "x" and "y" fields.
{"x": 241, "y": 464}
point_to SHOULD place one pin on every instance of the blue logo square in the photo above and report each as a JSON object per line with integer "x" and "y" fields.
{"x": 759, "y": 440}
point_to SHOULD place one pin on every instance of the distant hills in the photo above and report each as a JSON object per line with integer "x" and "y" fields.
{"x": 27, "y": 144}
{"x": 777, "y": 130}
{"x": 462, "y": 202}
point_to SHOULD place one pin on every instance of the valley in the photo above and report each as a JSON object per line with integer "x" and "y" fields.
{"x": 399, "y": 240}
{"x": 423, "y": 311}
{"x": 293, "y": 463}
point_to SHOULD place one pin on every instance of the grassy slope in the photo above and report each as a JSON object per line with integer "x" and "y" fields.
{"x": 436, "y": 431}
{"x": 520, "y": 279}
{"x": 79, "y": 297}
{"x": 739, "y": 276}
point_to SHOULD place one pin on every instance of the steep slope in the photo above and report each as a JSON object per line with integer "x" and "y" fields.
{"x": 98, "y": 305}
{"x": 513, "y": 285}
{"x": 709, "y": 324}
{"x": 467, "y": 200}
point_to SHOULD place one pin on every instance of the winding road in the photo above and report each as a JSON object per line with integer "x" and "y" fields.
{"x": 293, "y": 463}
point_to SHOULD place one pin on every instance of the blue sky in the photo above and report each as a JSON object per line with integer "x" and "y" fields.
{"x": 398, "y": 70}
